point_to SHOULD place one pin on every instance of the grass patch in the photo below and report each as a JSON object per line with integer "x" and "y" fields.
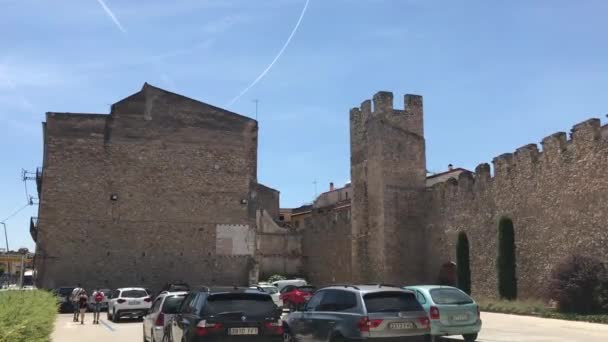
{"x": 27, "y": 316}
{"x": 537, "y": 308}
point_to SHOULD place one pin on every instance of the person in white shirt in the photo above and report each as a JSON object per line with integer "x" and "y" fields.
{"x": 74, "y": 298}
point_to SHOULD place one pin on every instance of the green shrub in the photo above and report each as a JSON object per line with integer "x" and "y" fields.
{"x": 463, "y": 263}
{"x": 579, "y": 285}
{"x": 27, "y": 316}
{"x": 505, "y": 263}
{"x": 276, "y": 277}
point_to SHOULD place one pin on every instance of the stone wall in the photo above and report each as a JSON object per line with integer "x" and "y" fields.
{"x": 556, "y": 198}
{"x": 279, "y": 249}
{"x": 148, "y": 194}
{"x": 326, "y": 246}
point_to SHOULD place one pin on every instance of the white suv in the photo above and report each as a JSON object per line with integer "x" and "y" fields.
{"x": 159, "y": 317}
{"x": 129, "y": 302}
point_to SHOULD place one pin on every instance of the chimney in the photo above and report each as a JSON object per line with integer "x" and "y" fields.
{"x": 331, "y": 186}
{"x": 450, "y": 167}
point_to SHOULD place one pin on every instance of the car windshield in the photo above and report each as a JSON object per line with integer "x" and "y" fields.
{"x": 307, "y": 288}
{"x": 450, "y": 296}
{"x": 244, "y": 304}
{"x": 391, "y": 302}
{"x": 172, "y": 304}
{"x": 134, "y": 294}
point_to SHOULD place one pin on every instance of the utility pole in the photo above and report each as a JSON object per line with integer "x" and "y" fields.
{"x": 8, "y": 260}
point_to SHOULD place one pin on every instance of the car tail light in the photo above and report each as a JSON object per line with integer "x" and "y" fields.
{"x": 424, "y": 321}
{"x": 120, "y": 301}
{"x": 204, "y": 328}
{"x": 434, "y": 312}
{"x": 275, "y": 327}
{"x": 147, "y": 299}
{"x": 160, "y": 320}
{"x": 365, "y": 324}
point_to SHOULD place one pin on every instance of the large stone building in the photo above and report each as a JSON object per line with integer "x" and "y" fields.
{"x": 401, "y": 226}
{"x": 164, "y": 188}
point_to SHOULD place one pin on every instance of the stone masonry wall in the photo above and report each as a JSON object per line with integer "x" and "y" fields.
{"x": 182, "y": 173}
{"x": 556, "y": 198}
{"x": 326, "y": 246}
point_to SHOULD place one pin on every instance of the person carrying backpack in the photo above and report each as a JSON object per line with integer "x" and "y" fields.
{"x": 98, "y": 297}
{"x": 83, "y": 304}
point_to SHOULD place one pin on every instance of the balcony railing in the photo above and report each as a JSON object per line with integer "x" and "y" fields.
{"x": 34, "y": 228}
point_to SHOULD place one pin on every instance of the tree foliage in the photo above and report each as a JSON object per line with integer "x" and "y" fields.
{"x": 506, "y": 262}
{"x": 463, "y": 263}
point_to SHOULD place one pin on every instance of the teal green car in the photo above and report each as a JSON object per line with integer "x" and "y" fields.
{"x": 451, "y": 311}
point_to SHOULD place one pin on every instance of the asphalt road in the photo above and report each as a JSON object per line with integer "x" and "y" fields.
{"x": 496, "y": 328}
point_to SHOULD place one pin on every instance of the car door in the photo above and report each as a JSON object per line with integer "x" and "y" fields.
{"x": 181, "y": 321}
{"x": 330, "y": 314}
{"x": 302, "y": 321}
{"x": 150, "y": 318}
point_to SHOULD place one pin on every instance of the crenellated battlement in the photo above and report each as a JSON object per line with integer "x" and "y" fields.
{"x": 409, "y": 118}
{"x": 528, "y": 162}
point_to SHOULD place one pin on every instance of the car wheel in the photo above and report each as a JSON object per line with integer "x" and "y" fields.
{"x": 470, "y": 337}
{"x": 338, "y": 338}
{"x": 115, "y": 317}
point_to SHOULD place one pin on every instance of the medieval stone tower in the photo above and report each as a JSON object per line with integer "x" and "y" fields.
{"x": 388, "y": 173}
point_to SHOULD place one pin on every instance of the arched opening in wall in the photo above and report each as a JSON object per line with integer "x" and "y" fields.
{"x": 463, "y": 263}
{"x": 447, "y": 274}
{"x": 505, "y": 262}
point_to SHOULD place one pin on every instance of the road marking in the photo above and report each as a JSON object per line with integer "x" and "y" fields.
{"x": 107, "y": 325}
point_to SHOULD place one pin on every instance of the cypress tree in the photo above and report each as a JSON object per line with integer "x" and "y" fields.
{"x": 506, "y": 263}
{"x": 463, "y": 263}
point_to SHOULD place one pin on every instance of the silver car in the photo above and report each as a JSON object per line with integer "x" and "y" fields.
{"x": 366, "y": 312}
{"x": 160, "y": 314}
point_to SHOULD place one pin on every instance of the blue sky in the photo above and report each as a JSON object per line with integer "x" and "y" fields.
{"x": 494, "y": 75}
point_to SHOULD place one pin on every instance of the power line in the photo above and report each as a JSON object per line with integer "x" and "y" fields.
{"x": 16, "y": 212}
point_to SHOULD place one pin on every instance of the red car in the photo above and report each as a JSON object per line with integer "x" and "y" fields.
{"x": 294, "y": 297}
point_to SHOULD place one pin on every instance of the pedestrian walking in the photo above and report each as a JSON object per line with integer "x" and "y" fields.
{"x": 83, "y": 303}
{"x": 98, "y": 297}
{"x": 74, "y": 300}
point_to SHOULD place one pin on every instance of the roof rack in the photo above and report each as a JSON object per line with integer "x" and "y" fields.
{"x": 340, "y": 285}
{"x": 383, "y": 285}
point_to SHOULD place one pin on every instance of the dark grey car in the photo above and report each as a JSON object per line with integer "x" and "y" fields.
{"x": 358, "y": 313}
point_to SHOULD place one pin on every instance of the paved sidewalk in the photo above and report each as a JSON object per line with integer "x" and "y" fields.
{"x": 68, "y": 331}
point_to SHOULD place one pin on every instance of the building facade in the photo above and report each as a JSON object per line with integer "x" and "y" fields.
{"x": 163, "y": 188}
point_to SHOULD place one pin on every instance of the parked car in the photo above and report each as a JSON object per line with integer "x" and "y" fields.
{"x": 175, "y": 287}
{"x": 157, "y": 321}
{"x": 280, "y": 284}
{"x": 452, "y": 312}
{"x": 129, "y": 302}
{"x": 227, "y": 314}
{"x": 272, "y": 290}
{"x": 63, "y": 298}
{"x": 294, "y": 297}
{"x": 361, "y": 313}
{"x": 104, "y": 303}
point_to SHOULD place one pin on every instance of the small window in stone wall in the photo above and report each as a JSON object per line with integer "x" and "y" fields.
{"x": 297, "y": 224}
{"x": 347, "y": 195}
{"x": 281, "y": 218}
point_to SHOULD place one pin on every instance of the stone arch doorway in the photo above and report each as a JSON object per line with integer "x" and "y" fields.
{"x": 447, "y": 274}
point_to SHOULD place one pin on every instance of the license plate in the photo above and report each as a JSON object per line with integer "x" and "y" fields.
{"x": 133, "y": 302}
{"x": 462, "y": 317}
{"x": 401, "y": 325}
{"x": 243, "y": 331}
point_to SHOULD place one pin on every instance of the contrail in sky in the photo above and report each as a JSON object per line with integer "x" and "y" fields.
{"x": 295, "y": 29}
{"x": 111, "y": 15}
